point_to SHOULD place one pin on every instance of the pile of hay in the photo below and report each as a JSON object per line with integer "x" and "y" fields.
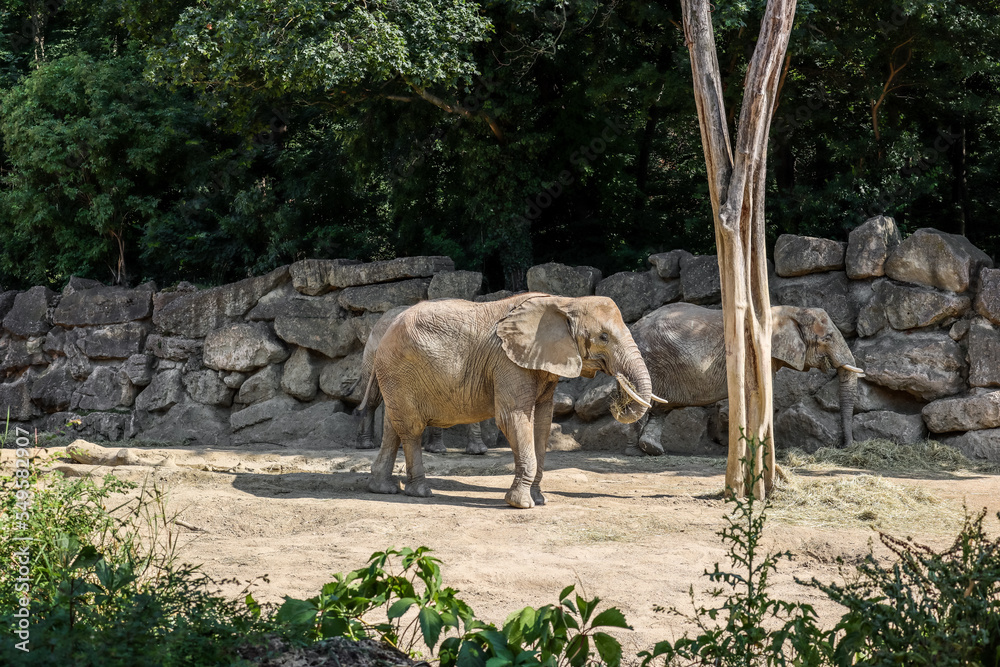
{"x": 888, "y": 456}
{"x": 862, "y": 500}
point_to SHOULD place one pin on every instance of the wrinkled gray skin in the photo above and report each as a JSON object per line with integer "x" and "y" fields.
{"x": 451, "y": 361}
{"x": 684, "y": 349}
{"x": 366, "y": 429}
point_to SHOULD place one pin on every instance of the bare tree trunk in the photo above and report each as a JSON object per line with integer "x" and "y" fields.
{"x": 737, "y": 191}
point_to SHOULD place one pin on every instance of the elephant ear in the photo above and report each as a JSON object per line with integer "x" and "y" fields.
{"x": 537, "y": 334}
{"x": 787, "y": 344}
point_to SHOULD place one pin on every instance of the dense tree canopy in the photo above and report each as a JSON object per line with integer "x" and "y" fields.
{"x": 206, "y": 140}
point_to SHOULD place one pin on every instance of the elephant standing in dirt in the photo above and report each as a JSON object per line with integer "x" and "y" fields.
{"x": 373, "y": 398}
{"x": 451, "y": 361}
{"x": 685, "y": 351}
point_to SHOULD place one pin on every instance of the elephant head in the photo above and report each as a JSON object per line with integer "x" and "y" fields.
{"x": 804, "y": 338}
{"x": 570, "y": 337}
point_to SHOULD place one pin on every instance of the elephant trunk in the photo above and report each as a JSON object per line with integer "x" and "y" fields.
{"x": 848, "y": 396}
{"x": 634, "y": 391}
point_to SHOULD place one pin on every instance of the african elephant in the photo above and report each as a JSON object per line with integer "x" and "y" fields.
{"x": 684, "y": 349}
{"x": 373, "y": 399}
{"x": 451, "y": 361}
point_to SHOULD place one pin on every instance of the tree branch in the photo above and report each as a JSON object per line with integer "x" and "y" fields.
{"x": 888, "y": 87}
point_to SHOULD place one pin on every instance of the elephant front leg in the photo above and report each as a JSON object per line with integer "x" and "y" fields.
{"x": 381, "y": 480}
{"x": 543, "y": 426}
{"x": 416, "y": 480}
{"x": 475, "y": 444}
{"x": 520, "y": 432}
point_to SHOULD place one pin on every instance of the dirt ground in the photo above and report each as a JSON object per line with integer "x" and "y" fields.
{"x": 637, "y": 532}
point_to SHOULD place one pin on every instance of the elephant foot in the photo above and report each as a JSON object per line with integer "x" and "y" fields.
{"x": 633, "y": 450}
{"x": 476, "y": 447}
{"x": 435, "y": 447}
{"x": 519, "y": 497}
{"x": 418, "y": 489}
{"x": 383, "y": 485}
{"x": 366, "y": 444}
{"x": 536, "y": 496}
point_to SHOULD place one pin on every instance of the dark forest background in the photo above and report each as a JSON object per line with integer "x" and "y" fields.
{"x": 210, "y": 140}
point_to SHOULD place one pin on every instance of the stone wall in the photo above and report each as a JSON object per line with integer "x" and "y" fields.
{"x": 276, "y": 358}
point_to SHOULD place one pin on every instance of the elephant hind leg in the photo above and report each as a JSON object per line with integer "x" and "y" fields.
{"x": 381, "y": 480}
{"x": 475, "y": 444}
{"x": 416, "y": 480}
{"x": 435, "y": 440}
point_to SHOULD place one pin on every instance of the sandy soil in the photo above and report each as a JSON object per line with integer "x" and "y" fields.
{"x": 637, "y": 532}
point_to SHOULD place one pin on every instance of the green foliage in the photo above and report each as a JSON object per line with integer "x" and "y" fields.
{"x": 937, "y": 608}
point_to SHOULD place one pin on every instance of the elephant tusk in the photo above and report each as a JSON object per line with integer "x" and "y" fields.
{"x": 658, "y": 399}
{"x": 635, "y": 397}
{"x": 854, "y": 369}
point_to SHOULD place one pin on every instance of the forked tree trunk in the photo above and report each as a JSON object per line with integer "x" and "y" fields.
{"x": 737, "y": 187}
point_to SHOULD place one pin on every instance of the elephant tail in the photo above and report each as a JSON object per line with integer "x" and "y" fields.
{"x": 373, "y": 395}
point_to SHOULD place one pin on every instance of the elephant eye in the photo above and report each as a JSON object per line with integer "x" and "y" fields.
{"x": 604, "y": 336}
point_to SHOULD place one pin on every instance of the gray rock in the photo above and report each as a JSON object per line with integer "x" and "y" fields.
{"x": 988, "y": 298}
{"x": 78, "y": 284}
{"x": 208, "y": 388}
{"x": 52, "y": 390}
{"x": 138, "y": 369}
{"x": 829, "y": 291}
{"x": 16, "y": 354}
{"x": 630, "y": 291}
{"x": 700, "y": 281}
{"x": 959, "y": 330}
{"x": 970, "y": 413}
{"x": 188, "y": 422}
{"x": 884, "y": 425}
{"x": 334, "y": 336}
{"x": 234, "y": 380}
{"x": 105, "y": 389}
{"x": 455, "y": 285}
{"x": 663, "y": 290}
{"x": 927, "y": 364}
{"x": 807, "y": 426}
{"x": 16, "y": 396}
{"x": 243, "y": 347}
{"x": 320, "y": 426}
{"x": 560, "y": 441}
{"x": 363, "y": 325}
{"x": 562, "y": 404}
{"x": 936, "y": 259}
{"x": 562, "y": 280}
{"x": 111, "y": 426}
{"x": 790, "y": 386}
{"x": 606, "y": 434}
{"x": 263, "y": 385}
{"x": 685, "y": 431}
{"x": 103, "y": 305}
{"x": 871, "y": 314}
{"x": 595, "y": 401}
{"x": 340, "y": 379}
{"x": 874, "y": 398}
{"x": 173, "y": 348}
{"x": 29, "y": 315}
{"x": 668, "y": 264}
{"x": 981, "y": 445}
{"x": 265, "y": 410}
{"x": 868, "y": 246}
{"x": 164, "y": 392}
{"x": 650, "y": 440}
{"x": 195, "y": 314}
{"x": 6, "y": 302}
{"x": 984, "y": 354}
{"x": 300, "y": 376}
{"x": 801, "y": 255}
{"x": 911, "y": 307}
{"x": 117, "y": 341}
{"x": 382, "y": 297}
{"x": 316, "y": 276}
{"x": 297, "y": 305}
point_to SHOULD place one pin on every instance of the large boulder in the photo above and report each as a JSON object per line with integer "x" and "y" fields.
{"x": 116, "y": 341}
{"x": 829, "y": 291}
{"x": 263, "y": 411}
{"x": 668, "y": 264}
{"x": 875, "y": 398}
{"x": 594, "y": 402}
{"x": 988, "y": 299}
{"x": 685, "y": 431}
{"x": 53, "y": 388}
{"x": 912, "y": 307}
{"x": 7, "y": 299}
{"x": 968, "y": 413}
{"x": 196, "y": 314}
{"x": 341, "y": 379}
{"x": 315, "y": 276}
{"x": 983, "y": 445}
{"x": 605, "y": 434}
{"x": 983, "y": 340}
{"x": 562, "y": 280}
{"x": 334, "y": 336}
{"x": 455, "y": 285}
{"x": 321, "y": 425}
{"x": 16, "y": 354}
{"x": 631, "y": 292}
{"x": 700, "y": 281}
{"x": 806, "y": 425}
{"x": 936, "y": 259}
{"x": 173, "y": 348}
{"x": 15, "y": 397}
{"x": 243, "y": 347}
{"x": 138, "y": 368}
{"x": 103, "y": 305}
{"x": 284, "y": 301}
{"x": 385, "y": 296}
{"x": 164, "y": 391}
{"x": 208, "y": 388}
{"x": 105, "y": 389}
{"x": 927, "y": 364}
{"x": 869, "y": 245}
{"x": 790, "y": 386}
{"x": 802, "y": 255}
{"x": 189, "y": 422}
{"x": 300, "y": 376}
{"x": 885, "y": 425}
{"x": 29, "y": 314}
{"x": 263, "y": 385}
